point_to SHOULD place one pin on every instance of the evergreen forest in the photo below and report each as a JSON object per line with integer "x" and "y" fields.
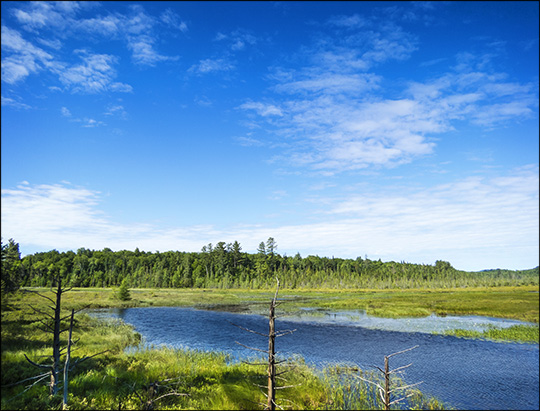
{"x": 225, "y": 265}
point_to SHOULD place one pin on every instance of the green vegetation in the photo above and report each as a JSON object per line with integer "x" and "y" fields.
{"x": 127, "y": 379}
{"x": 516, "y": 333}
{"x": 123, "y": 292}
{"x": 222, "y": 277}
{"x": 225, "y": 266}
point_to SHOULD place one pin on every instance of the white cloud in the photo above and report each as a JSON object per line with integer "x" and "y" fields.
{"x": 110, "y": 25}
{"x": 474, "y": 223}
{"x": 22, "y": 57}
{"x": 209, "y": 65}
{"x": 94, "y": 75}
{"x": 91, "y": 123}
{"x": 142, "y": 47}
{"x": 237, "y": 40}
{"x": 262, "y": 109}
{"x": 332, "y": 84}
{"x": 50, "y": 21}
{"x": 335, "y": 118}
{"x": 354, "y": 21}
{"x": 9, "y": 102}
{"x": 172, "y": 19}
{"x": 116, "y": 110}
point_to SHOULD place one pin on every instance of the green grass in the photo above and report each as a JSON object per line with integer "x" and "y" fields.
{"x": 122, "y": 379}
{"x": 520, "y": 303}
{"x": 516, "y": 333}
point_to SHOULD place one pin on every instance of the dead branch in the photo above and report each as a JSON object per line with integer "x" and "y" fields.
{"x": 247, "y": 329}
{"x": 26, "y": 379}
{"x": 384, "y": 392}
{"x": 401, "y": 352}
{"x": 41, "y": 295}
{"x": 35, "y": 364}
{"x": 87, "y": 358}
{"x": 285, "y": 332}
{"x": 400, "y": 368}
{"x": 251, "y": 348}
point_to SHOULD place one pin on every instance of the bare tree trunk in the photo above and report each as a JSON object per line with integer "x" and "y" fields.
{"x": 386, "y": 385}
{"x": 56, "y": 340}
{"x": 66, "y": 366}
{"x": 385, "y": 391}
{"x": 271, "y": 359}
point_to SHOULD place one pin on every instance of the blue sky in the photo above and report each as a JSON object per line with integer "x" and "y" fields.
{"x": 392, "y": 130}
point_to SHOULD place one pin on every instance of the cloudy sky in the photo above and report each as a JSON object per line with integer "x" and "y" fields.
{"x": 392, "y": 130}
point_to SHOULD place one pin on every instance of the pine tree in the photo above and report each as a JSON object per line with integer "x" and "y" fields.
{"x": 123, "y": 292}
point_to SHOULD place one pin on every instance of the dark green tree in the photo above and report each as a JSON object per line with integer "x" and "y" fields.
{"x": 123, "y": 292}
{"x": 11, "y": 266}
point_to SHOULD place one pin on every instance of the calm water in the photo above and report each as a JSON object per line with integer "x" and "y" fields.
{"x": 466, "y": 374}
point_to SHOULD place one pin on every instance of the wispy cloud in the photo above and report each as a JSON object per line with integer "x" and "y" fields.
{"x": 211, "y": 65}
{"x": 116, "y": 110}
{"x": 48, "y": 23}
{"x": 172, "y": 19}
{"x": 94, "y": 75}
{"x": 339, "y": 115}
{"x": 262, "y": 109}
{"x": 20, "y": 58}
{"x": 237, "y": 40}
{"x": 85, "y": 121}
{"x": 9, "y": 102}
{"x": 489, "y": 216}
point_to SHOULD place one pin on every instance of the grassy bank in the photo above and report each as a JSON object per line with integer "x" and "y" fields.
{"x": 137, "y": 379}
{"x": 520, "y": 303}
{"x": 516, "y": 333}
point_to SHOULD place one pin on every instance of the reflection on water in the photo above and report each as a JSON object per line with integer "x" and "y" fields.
{"x": 431, "y": 324}
{"x": 464, "y": 373}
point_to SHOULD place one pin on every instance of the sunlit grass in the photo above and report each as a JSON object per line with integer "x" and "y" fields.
{"x": 520, "y": 303}
{"x": 120, "y": 379}
{"x": 515, "y": 333}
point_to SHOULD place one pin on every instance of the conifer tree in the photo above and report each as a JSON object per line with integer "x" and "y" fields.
{"x": 123, "y": 291}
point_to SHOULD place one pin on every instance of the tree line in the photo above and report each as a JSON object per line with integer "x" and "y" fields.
{"x": 225, "y": 265}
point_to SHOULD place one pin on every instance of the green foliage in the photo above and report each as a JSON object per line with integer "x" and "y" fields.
{"x": 519, "y": 333}
{"x": 11, "y": 267}
{"x": 123, "y": 293}
{"x": 226, "y": 266}
{"x": 121, "y": 379}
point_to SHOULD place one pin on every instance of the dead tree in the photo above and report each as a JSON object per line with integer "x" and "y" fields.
{"x": 54, "y": 329}
{"x": 386, "y": 391}
{"x": 271, "y": 352}
{"x": 53, "y": 324}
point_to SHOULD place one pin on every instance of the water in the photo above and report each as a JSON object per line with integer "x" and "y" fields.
{"x": 463, "y": 373}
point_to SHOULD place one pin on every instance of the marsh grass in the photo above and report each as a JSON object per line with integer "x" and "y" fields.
{"x": 520, "y": 303}
{"x": 120, "y": 378}
{"x": 515, "y": 333}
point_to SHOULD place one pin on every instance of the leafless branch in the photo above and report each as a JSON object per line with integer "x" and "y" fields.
{"x": 252, "y": 348}
{"x": 406, "y": 386}
{"x": 248, "y": 330}
{"x": 87, "y": 358}
{"x": 35, "y": 292}
{"x": 400, "y": 368}
{"x": 287, "y": 386}
{"x": 29, "y": 386}
{"x": 401, "y": 352}
{"x": 371, "y": 382}
{"x": 400, "y": 399}
{"x": 284, "y": 332}
{"x": 26, "y": 379}
{"x": 40, "y": 312}
{"x": 35, "y": 364}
